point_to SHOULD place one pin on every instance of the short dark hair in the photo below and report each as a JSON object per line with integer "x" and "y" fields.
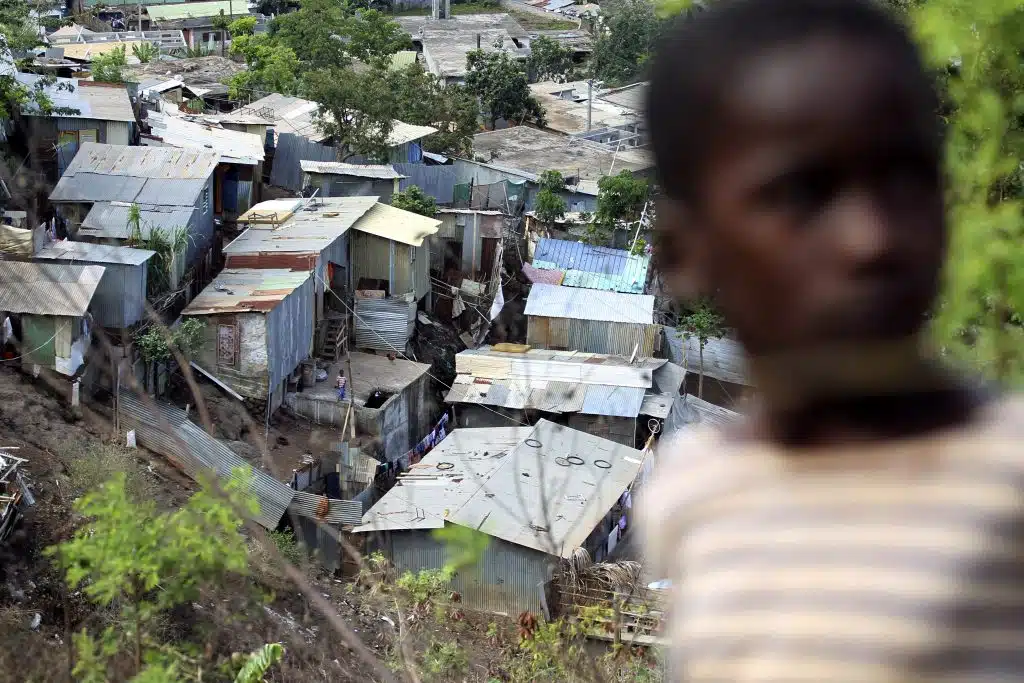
{"x": 702, "y": 51}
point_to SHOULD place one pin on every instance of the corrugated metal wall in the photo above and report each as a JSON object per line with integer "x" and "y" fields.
{"x": 119, "y": 132}
{"x": 384, "y": 324}
{"x": 436, "y": 181}
{"x": 291, "y": 149}
{"x": 38, "y": 335}
{"x": 506, "y": 580}
{"x": 290, "y": 333}
{"x": 592, "y": 336}
{"x": 120, "y": 298}
{"x": 347, "y": 186}
{"x": 371, "y": 257}
{"x": 202, "y": 230}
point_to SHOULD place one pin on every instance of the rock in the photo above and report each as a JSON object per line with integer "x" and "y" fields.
{"x": 36, "y": 621}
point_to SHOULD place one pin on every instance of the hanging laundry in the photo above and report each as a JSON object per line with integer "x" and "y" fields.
{"x": 458, "y": 305}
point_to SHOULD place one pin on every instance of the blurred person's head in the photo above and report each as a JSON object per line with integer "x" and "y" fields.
{"x": 799, "y": 150}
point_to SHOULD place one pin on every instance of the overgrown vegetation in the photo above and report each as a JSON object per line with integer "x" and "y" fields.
{"x": 146, "y": 52}
{"x": 503, "y": 88}
{"x": 109, "y": 67}
{"x": 416, "y": 200}
{"x": 159, "y": 344}
{"x": 550, "y": 206}
{"x": 138, "y": 562}
{"x": 169, "y": 244}
{"x": 551, "y": 61}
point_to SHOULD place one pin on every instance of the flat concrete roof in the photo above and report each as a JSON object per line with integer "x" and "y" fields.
{"x": 369, "y": 372}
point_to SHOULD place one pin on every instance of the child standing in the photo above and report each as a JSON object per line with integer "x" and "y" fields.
{"x": 864, "y": 523}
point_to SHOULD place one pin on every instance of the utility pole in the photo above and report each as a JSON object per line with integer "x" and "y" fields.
{"x": 590, "y": 100}
{"x": 140, "y": 17}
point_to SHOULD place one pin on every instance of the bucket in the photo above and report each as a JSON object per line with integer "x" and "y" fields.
{"x": 308, "y": 373}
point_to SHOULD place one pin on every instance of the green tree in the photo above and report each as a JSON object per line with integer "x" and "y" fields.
{"x": 243, "y": 26}
{"x": 142, "y": 562}
{"x": 550, "y": 206}
{"x": 625, "y": 38}
{"x": 620, "y": 198}
{"x": 272, "y": 67}
{"x": 421, "y": 98}
{"x": 372, "y": 37}
{"x": 501, "y": 84}
{"x": 157, "y": 344}
{"x": 109, "y": 68}
{"x": 315, "y": 34}
{"x": 975, "y": 47}
{"x": 416, "y": 200}
{"x": 550, "y": 60}
{"x": 357, "y": 110}
{"x": 702, "y": 324}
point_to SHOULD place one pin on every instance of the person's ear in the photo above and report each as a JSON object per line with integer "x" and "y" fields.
{"x": 678, "y": 252}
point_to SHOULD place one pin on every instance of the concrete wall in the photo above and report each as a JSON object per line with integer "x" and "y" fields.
{"x": 403, "y": 420}
{"x": 251, "y": 377}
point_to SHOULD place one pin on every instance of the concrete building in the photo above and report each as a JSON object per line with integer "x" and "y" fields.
{"x": 539, "y": 492}
{"x": 195, "y": 20}
{"x": 591, "y": 321}
{"x": 79, "y": 43}
{"x": 445, "y": 41}
{"x": 120, "y": 299}
{"x": 172, "y": 188}
{"x": 576, "y": 109}
{"x": 520, "y": 154}
{"x": 259, "y": 327}
{"x": 596, "y": 393}
{"x": 393, "y": 400}
{"x": 335, "y": 179}
{"x": 104, "y": 115}
{"x": 237, "y": 178}
{"x": 49, "y": 302}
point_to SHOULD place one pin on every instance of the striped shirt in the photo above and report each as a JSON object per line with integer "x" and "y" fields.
{"x": 893, "y": 563}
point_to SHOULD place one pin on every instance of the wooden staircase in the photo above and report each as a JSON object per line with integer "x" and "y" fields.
{"x": 333, "y": 338}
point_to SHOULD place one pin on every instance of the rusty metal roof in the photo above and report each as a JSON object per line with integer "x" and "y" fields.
{"x": 244, "y": 290}
{"x": 47, "y": 288}
{"x": 308, "y": 230}
{"x": 162, "y": 176}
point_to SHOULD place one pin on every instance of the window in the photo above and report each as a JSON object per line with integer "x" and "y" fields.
{"x": 206, "y": 37}
{"x": 206, "y": 200}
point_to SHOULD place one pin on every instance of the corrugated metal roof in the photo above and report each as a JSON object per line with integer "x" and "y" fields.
{"x": 702, "y": 412}
{"x": 397, "y": 224}
{"x": 724, "y": 359}
{"x": 338, "y": 511}
{"x": 47, "y": 288}
{"x": 67, "y": 250}
{"x": 246, "y": 290}
{"x": 158, "y": 84}
{"x": 613, "y": 401}
{"x": 593, "y": 267}
{"x": 192, "y": 10}
{"x": 567, "y": 366}
{"x": 298, "y": 116}
{"x": 402, "y": 133}
{"x": 403, "y": 59}
{"x": 307, "y": 231}
{"x": 99, "y": 101}
{"x": 378, "y": 171}
{"x": 161, "y": 176}
{"x": 533, "y": 501}
{"x": 416, "y": 506}
{"x": 165, "y": 429}
{"x": 657, "y": 405}
{"x": 554, "y": 301}
{"x": 110, "y": 220}
{"x": 551, "y": 396}
{"x": 233, "y": 146}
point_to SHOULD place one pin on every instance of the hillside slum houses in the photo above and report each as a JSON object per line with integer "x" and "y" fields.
{"x": 469, "y": 365}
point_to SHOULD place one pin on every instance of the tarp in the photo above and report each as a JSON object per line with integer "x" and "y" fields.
{"x": 15, "y": 240}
